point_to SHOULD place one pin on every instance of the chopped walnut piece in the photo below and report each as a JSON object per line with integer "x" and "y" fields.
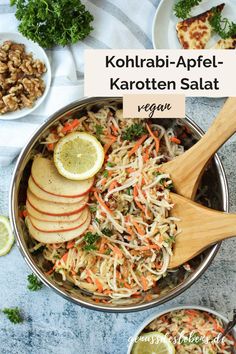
{"x": 20, "y": 77}
{"x": 11, "y": 102}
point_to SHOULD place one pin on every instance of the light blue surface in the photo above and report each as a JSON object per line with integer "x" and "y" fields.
{"x": 54, "y": 325}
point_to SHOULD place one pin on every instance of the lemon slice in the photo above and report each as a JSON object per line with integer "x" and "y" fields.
{"x": 6, "y": 236}
{"x": 153, "y": 343}
{"x": 78, "y": 156}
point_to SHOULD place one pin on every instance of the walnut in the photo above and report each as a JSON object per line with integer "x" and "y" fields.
{"x": 15, "y": 57}
{"x": 39, "y": 66}
{"x": 3, "y": 67}
{"x": 3, "y": 55}
{"x": 20, "y": 77}
{"x": 11, "y": 102}
{"x": 16, "y": 89}
{"x": 18, "y": 47}
{"x": 6, "y": 45}
{"x": 27, "y": 102}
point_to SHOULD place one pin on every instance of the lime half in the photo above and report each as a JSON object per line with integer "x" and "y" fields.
{"x": 153, "y": 343}
{"x": 78, "y": 156}
{"x": 6, "y": 236}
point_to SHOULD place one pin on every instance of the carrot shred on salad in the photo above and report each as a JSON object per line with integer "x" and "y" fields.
{"x": 157, "y": 141}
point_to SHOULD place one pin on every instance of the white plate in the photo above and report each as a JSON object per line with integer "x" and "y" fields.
{"x": 38, "y": 53}
{"x": 164, "y": 24}
{"x": 159, "y": 313}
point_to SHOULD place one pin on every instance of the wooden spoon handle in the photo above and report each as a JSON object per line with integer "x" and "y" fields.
{"x": 220, "y": 131}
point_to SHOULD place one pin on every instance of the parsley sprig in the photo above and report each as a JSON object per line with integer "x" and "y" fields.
{"x": 182, "y": 8}
{"x": 53, "y": 22}
{"x": 134, "y": 132}
{"x": 13, "y": 314}
{"x": 34, "y": 283}
{"x": 222, "y": 25}
{"x": 90, "y": 240}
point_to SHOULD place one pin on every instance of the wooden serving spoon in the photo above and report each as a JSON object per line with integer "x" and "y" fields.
{"x": 187, "y": 169}
{"x": 200, "y": 227}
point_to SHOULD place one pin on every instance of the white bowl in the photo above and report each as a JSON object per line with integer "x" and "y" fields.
{"x": 170, "y": 309}
{"x": 38, "y": 53}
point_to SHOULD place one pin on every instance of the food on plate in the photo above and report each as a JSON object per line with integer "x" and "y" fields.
{"x": 53, "y": 22}
{"x": 222, "y": 25}
{"x": 46, "y": 176}
{"x": 190, "y": 331}
{"x": 21, "y": 82}
{"x": 125, "y": 247}
{"x": 153, "y": 343}
{"x": 195, "y": 32}
{"x": 229, "y": 43}
{"x": 6, "y": 236}
{"x": 78, "y": 156}
{"x": 182, "y": 8}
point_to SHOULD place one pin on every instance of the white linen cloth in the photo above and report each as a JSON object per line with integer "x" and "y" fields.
{"x": 117, "y": 24}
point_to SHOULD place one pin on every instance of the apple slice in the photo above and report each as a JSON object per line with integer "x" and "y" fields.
{"x": 41, "y": 194}
{"x": 51, "y": 218}
{"x": 54, "y": 226}
{"x": 57, "y": 237}
{"x": 46, "y": 177}
{"x": 58, "y": 209}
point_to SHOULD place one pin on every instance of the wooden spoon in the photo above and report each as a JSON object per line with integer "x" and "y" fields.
{"x": 200, "y": 227}
{"x": 187, "y": 169}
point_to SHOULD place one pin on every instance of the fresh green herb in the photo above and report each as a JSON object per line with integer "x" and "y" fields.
{"x": 52, "y": 23}
{"x": 105, "y": 173}
{"x": 93, "y": 208}
{"x": 108, "y": 251}
{"x": 90, "y": 239}
{"x": 13, "y": 314}
{"x": 134, "y": 132}
{"x": 182, "y": 8}
{"x": 170, "y": 186}
{"x": 99, "y": 130}
{"x": 107, "y": 232}
{"x": 34, "y": 283}
{"x": 128, "y": 191}
{"x": 110, "y": 164}
{"x": 221, "y": 25}
{"x": 98, "y": 221}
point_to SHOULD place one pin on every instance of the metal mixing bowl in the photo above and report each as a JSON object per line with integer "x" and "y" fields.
{"x": 214, "y": 190}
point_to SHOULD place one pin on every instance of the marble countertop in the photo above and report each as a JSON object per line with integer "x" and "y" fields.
{"x": 54, "y": 325}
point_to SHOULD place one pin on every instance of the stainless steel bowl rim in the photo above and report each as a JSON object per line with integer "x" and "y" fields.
{"x": 136, "y": 307}
{"x": 159, "y": 313}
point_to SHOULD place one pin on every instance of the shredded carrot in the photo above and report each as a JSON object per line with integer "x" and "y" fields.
{"x": 175, "y": 140}
{"x": 49, "y": 272}
{"x": 192, "y": 313}
{"x": 130, "y": 170}
{"x": 146, "y": 154}
{"x": 157, "y": 141}
{"x": 102, "y": 203}
{"x": 129, "y": 230}
{"x": 98, "y": 285}
{"x": 128, "y": 286}
{"x": 103, "y": 181}
{"x": 73, "y": 272}
{"x": 108, "y": 145}
{"x": 148, "y": 297}
{"x": 107, "y": 292}
{"x": 50, "y": 146}
{"x": 139, "y": 228}
{"x": 113, "y": 185}
{"x": 146, "y": 248}
{"x": 116, "y": 250}
{"x": 144, "y": 283}
{"x": 102, "y": 245}
{"x": 68, "y": 127}
{"x": 114, "y": 129}
{"x": 137, "y": 144}
{"x": 136, "y": 201}
{"x": 64, "y": 258}
{"x": 70, "y": 244}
